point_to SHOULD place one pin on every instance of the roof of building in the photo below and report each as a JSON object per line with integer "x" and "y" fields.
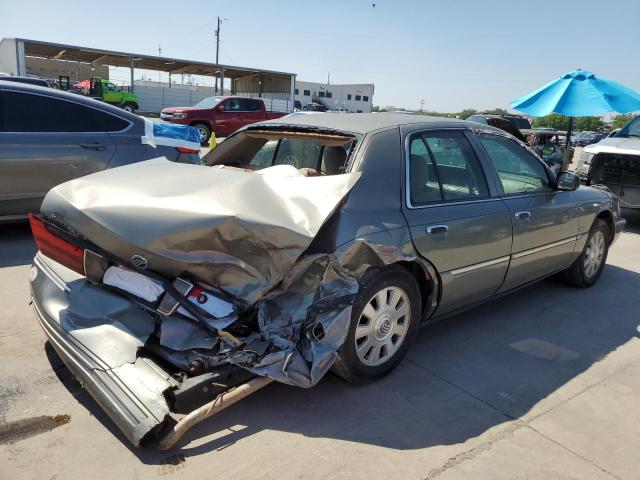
{"x": 96, "y": 56}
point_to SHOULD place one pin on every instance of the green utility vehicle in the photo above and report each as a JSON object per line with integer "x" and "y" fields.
{"x": 108, "y": 92}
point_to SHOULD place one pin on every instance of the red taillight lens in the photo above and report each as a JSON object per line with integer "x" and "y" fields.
{"x": 55, "y": 247}
{"x": 187, "y": 150}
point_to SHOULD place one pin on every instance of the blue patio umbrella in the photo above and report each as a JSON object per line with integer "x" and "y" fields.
{"x": 578, "y": 94}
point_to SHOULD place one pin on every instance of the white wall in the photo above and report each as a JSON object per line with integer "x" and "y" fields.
{"x": 339, "y": 95}
{"x": 8, "y": 61}
{"x": 153, "y": 98}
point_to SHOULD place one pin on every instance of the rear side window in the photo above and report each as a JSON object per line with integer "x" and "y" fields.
{"x": 250, "y": 105}
{"x": 519, "y": 171}
{"x": 25, "y": 112}
{"x": 449, "y": 169}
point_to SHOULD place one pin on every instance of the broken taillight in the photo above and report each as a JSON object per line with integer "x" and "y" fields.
{"x": 55, "y": 247}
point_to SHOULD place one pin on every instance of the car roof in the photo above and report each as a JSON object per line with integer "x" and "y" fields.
{"x": 364, "y": 123}
{"x": 73, "y": 97}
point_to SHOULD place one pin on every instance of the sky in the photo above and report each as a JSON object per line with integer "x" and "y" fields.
{"x": 450, "y": 54}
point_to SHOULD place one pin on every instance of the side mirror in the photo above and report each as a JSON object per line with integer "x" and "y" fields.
{"x": 568, "y": 181}
{"x": 220, "y": 108}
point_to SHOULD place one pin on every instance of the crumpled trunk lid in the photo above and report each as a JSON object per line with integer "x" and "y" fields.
{"x": 240, "y": 231}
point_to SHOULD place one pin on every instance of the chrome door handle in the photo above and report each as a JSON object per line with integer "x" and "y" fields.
{"x": 435, "y": 229}
{"x": 523, "y": 215}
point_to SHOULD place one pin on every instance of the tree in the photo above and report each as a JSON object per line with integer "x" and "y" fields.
{"x": 375, "y": 108}
{"x": 621, "y": 120}
{"x": 495, "y": 111}
{"x": 591, "y": 124}
{"x": 560, "y": 122}
{"x": 466, "y": 113}
{"x": 553, "y": 120}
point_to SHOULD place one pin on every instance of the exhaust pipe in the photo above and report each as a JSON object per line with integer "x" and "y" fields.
{"x": 218, "y": 404}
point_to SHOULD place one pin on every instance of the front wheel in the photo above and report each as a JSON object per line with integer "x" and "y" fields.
{"x": 384, "y": 321}
{"x": 587, "y": 268}
{"x": 203, "y": 132}
{"x": 128, "y": 107}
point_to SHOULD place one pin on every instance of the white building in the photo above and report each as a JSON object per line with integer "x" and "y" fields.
{"x": 356, "y": 97}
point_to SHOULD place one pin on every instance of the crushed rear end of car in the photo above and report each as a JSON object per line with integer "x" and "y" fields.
{"x": 169, "y": 291}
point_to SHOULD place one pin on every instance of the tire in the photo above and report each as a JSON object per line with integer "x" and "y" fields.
{"x": 362, "y": 357}
{"x": 129, "y": 107}
{"x": 204, "y": 132}
{"x": 587, "y": 268}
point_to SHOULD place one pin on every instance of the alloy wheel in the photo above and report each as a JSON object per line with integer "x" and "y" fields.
{"x": 594, "y": 253}
{"x": 382, "y": 326}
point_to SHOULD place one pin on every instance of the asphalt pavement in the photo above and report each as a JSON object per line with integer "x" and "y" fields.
{"x": 543, "y": 383}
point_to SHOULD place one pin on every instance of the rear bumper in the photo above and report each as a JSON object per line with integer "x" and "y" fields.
{"x": 130, "y": 392}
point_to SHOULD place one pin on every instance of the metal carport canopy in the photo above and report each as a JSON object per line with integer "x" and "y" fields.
{"x": 95, "y": 56}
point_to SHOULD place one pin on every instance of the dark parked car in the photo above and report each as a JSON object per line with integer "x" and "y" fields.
{"x": 40, "y": 82}
{"x": 582, "y": 139}
{"x": 305, "y": 243}
{"x": 48, "y": 137}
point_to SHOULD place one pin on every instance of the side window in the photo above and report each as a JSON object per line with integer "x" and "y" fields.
{"x": 25, "y": 112}
{"x": 110, "y": 87}
{"x": 519, "y": 171}
{"x": 251, "y": 105}
{"x": 299, "y": 153}
{"x": 423, "y": 183}
{"x": 232, "y": 105}
{"x": 264, "y": 156}
{"x": 458, "y": 169}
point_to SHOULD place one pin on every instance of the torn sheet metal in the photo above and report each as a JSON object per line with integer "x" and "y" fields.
{"x": 226, "y": 227}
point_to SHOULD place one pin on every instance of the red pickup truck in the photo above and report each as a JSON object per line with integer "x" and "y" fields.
{"x": 223, "y": 115}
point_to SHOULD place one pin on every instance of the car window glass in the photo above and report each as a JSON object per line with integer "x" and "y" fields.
{"x": 519, "y": 171}
{"x": 299, "y": 153}
{"x": 250, "y": 105}
{"x": 264, "y": 157}
{"x": 423, "y": 183}
{"x": 232, "y": 105}
{"x": 25, "y": 112}
{"x": 457, "y": 166}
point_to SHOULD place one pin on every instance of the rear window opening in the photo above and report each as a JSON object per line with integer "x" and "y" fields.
{"x": 312, "y": 153}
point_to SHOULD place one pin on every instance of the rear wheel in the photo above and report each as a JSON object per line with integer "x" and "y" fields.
{"x": 587, "y": 268}
{"x": 204, "y": 132}
{"x": 384, "y": 321}
{"x": 129, "y": 107}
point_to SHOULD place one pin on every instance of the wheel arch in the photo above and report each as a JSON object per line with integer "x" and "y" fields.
{"x": 607, "y": 217}
{"x": 428, "y": 282}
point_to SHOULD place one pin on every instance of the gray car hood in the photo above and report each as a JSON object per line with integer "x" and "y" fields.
{"x": 239, "y": 230}
{"x": 629, "y": 146}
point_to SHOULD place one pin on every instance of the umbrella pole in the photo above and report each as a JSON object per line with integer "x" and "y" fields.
{"x": 567, "y": 147}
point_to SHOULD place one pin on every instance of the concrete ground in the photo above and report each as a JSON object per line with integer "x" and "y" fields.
{"x": 544, "y": 383}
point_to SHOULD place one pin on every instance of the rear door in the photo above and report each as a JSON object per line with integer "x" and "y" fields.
{"x": 456, "y": 219}
{"x": 545, "y": 220}
{"x": 46, "y": 140}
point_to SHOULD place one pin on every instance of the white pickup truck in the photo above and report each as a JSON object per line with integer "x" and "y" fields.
{"x": 615, "y": 162}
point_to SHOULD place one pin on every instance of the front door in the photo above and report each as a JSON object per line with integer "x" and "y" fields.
{"x": 545, "y": 220}
{"x": 45, "y": 141}
{"x": 456, "y": 221}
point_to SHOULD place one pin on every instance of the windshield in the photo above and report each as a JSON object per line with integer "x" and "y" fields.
{"x": 311, "y": 153}
{"x": 631, "y": 129}
{"x": 208, "y": 102}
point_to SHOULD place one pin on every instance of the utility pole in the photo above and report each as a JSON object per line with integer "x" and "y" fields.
{"x": 421, "y": 105}
{"x": 218, "y": 50}
{"x": 159, "y": 54}
{"x": 328, "y": 77}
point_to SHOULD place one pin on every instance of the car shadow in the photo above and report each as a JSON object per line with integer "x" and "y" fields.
{"x": 633, "y": 220}
{"x": 17, "y": 246}
{"x": 462, "y": 376}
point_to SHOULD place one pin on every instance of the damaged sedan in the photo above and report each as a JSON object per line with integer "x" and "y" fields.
{"x": 303, "y": 244}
